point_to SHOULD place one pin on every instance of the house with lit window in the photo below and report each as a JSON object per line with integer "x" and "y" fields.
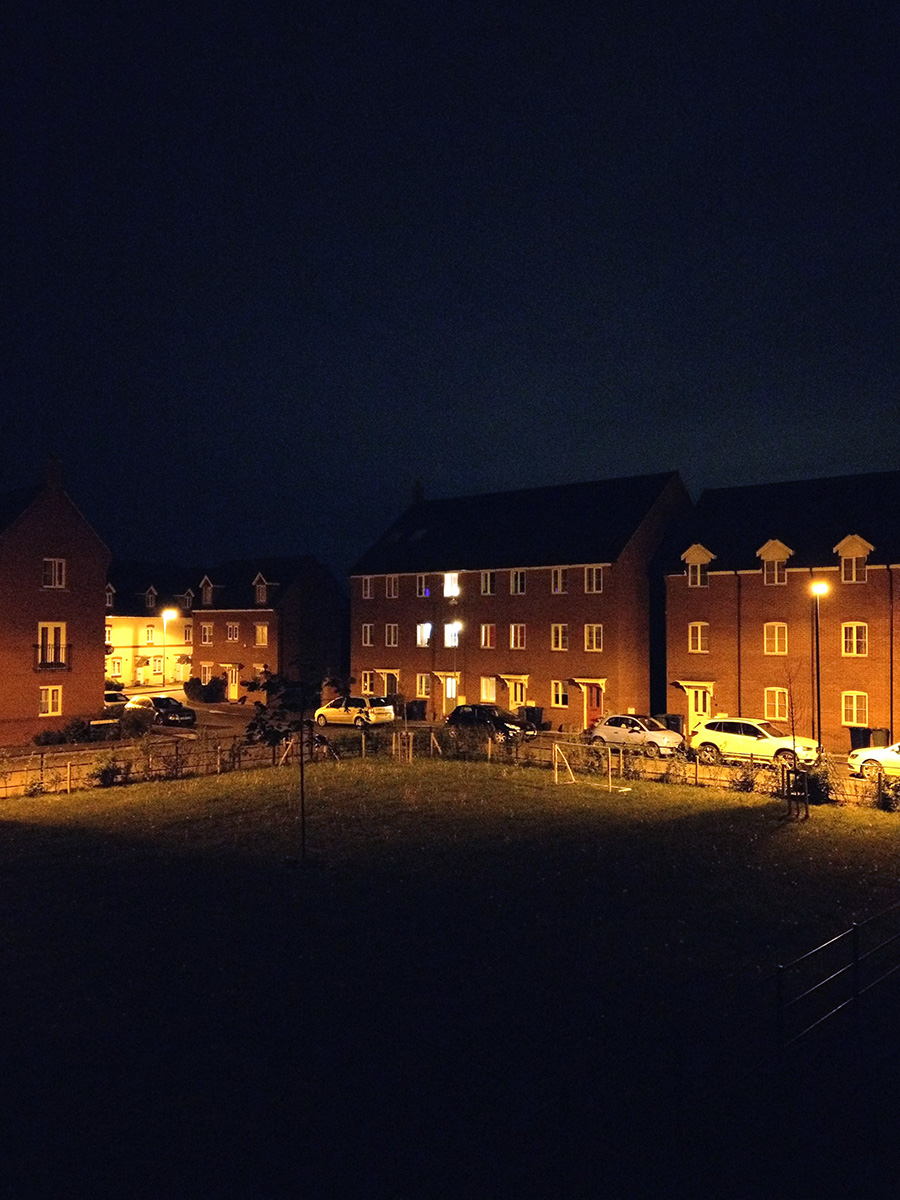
{"x": 781, "y": 602}
{"x": 149, "y": 623}
{"x": 536, "y": 599}
{"x": 52, "y": 571}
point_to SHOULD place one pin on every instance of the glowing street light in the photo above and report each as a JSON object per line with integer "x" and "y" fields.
{"x": 819, "y": 589}
{"x": 167, "y": 614}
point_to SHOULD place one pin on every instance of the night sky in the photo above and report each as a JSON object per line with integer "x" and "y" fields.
{"x": 268, "y": 265}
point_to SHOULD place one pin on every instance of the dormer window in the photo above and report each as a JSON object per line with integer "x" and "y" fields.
{"x": 774, "y": 555}
{"x": 854, "y": 551}
{"x": 698, "y": 559}
{"x": 698, "y": 575}
{"x": 206, "y": 591}
{"x": 853, "y": 570}
{"x": 110, "y": 596}
{"x": 187, "y": 600}
{"x": 150, "y": 598}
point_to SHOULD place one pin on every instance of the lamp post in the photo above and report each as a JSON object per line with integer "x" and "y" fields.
{"x": 818, "y": 589}
{"x": 167, "y": 614}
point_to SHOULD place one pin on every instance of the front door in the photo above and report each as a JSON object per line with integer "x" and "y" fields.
{"x": 234, "y": 683}
{"x": 593, "y": 704}
{"x": 698, "y": 704}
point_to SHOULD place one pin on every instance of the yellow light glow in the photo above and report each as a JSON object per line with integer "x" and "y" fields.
{"x": 819, "y": 588}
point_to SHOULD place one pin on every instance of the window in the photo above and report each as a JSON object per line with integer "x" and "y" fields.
{"x": 115, "y": 667}
{"x": 559, "y": 581}
{"x": 367, "y": 587}
{"x": 188, "y": 634}
{"x": 262, "y": 635}
{"x": 559, "y": 693}
{"x": 109, "y": 634}
{"x": 51, "y": 645}
{"x": 855, "y": 707}
{"x": 451, "y": 583}
{"x": 593, "y": 579}
{"x": 392, "y": 586}
{"x": 517, "y": 693}
{"x": 450, "y": 687}
{"x": 53, "y": 574}
{"x": 776, "y": 706}
{"x": 517, "y": 583}
{"x": 856, "y": 640}
{"x": 698, "y": 575}
{"x": 206, "y": 593}
{"x": 157, "y": 664}
{"x": 488, "y": 583}
{"x": 423, "y": 634}
{"x": 488, "y": 637}
{"x": 367, "y": 635}
{"x": 149, "y": 599}
{"x": 698, "y": 637}
{"x": 774, "y": 572}
{"x": 231, "y": 631}
{"x": 489, "y": 689}
{"x": 517, "y": 637}
{"x": 368, "y": 683}
{"x": 205, "y": 670}
{"x": 206, "y": 636}
{"x": 451, "y": 633}
{"x": 559, "y": 637}
{"x": 188, "y": 600}
{"x": 775, "y": 637}
{"x": 421, "y": 586}
{"x": 110, "y": 597}
{"x": 423, "y": 686}
{"x": 391, "y": 634}
{"x": 853, "y": 570}
{"x": 593, "y": 637}
{"x": 149, "y": 635}
{"x": 51, "y": 702}
{"x": 261, "y": 592}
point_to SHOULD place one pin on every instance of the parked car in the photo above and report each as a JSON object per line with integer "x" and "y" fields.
{"x": 490, "y": 720}
{"x": 115, "y": 702}
{"x": 355, "y": 710}
{"x": 635, "y": 733}
{"x": 162, "y": 710}
{"x": 742, "y": 738}
{"x": 872, "y": 761}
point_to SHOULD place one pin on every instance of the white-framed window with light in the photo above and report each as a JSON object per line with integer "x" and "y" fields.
{"x": 488, "y": 637}
{"x": 593, "y": 637}
{"x": 188, "y": 634}
{"x": 559, "y": 693}
{"x": 423, "y": 685}
{"x": 51, "y": 644}
{"x": 559, "y": 581}
{"x": 115, "y": 667}
{"x": 451, "y": 634}
{"x": 775, "y": 640}
{"x": 517, "y": 636}
{"x": 157, "y": 664}
{"x": 559, "y": 637}
{"x": 262, "y": 634}
{"x": 517, "y": 583}
{"x": 451, "y": 687}
{"x": 53, "y": 573}
{"x": 854, "y": 639}
{"x": 392, "y": 586}
{"x": 206, "y": 635}
{"x": 423, "y": 633}
{"x": 368, "y": 683}
{"x": 593, "y": 580}
{"x": 51, "y": 702}
{"x": 488, "y": 583}
{"x": 698, "y": 637}
{"x": 774, "y": 572}
{"x": 422, "y": 588}
{"x": 367, "y": 591}
{"x": 451, "y": 583}
{"x": 853, "y": 570}
{"x": 776, "y": 704}
{"x": 368, "y": 634}
{"x": 232, "y": 631}
{"x": 391, "y": 634}
{"x": 149, "y": 635}
{"x": 489, "y": 689}
{"x": 855, "y": 708}
{"x": 206, "y": 670}
{"x": 517, "y": 693}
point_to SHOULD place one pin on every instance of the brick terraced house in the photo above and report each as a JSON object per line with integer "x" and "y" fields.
{"x": 149, "y": 623}
{"x": 535, "y": 599}
{"x": 741, "y": 614}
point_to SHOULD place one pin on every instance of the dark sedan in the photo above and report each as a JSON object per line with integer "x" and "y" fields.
{"x": 490, "y": 720}
{"x": 163, "y": 710}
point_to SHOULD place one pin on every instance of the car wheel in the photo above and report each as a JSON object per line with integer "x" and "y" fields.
{"x": 787, "y": 757}
{"x": 651, "y": 749}
{"x": 709, "y": 754}
{"x": 360, "y": 722}
{"x": 158, "y": 718}
{"x": 870, "y": 769}
{"x": 321, "y": 719}
{"x": 597, "y": 740}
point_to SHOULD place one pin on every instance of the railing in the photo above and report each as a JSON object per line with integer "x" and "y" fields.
{"x": 51, "y": 657}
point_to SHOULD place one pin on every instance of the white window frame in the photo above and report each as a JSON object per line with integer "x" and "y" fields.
{"x": 775, "y": 638}
{"x": 391, "y": 634}
{"x": 451, "y": 583}
{"x": 488, "y": 636}
{"x": 593, "y": 580}
{"x": 52, "y": 649}
{"x": 854, "y": 569}
{"x": 517, "y": 693}
{"x": 232, "y": 632}
{"x": 774, "y": 572}
{"x": 261, "y": 634}
{"x": 559, "y": 581}
{"x": 115, "y": 667}
{"x": 53, "y": 573}
{"x": 391, "y": 587}
{"x": 368, "y": 634}
{"x": 698, "y": 574}
{"x": 854, "y": 639}
{"x": 855, "y": 708}
{"x": 205, "y": 673}
{"x": 156, "y": 665}
{"x": 451, "y": 687}
{"x": 423, "y": 633}
{"x": 423, "y": 685}
{"x": 559, "y": 693}
{"x": 488, "y": 583}
{"x": 698, "y": 637}
{"x": 367, "y": 591}
{"x": 517, "y": 583}
{"x": 50, "y": 704}
{"x": 261, "y": 591}
{"x": 559, "y": 636}
{"x": 517, "y": 635}
{"x": 188, "y": 634}
{"x": 593, "y": 637}
{"x": 206, "y": 635}
{"x": 149, "y": 635}
{"x": 775, "y": 705}
{"x": 489, "y": 689}
{"x": 422, "y": 588}
{"x": 368, "y": 683}
{"x": 451, "y": 634}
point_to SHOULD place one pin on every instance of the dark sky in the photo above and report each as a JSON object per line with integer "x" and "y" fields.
{"x": 269, "y": 264}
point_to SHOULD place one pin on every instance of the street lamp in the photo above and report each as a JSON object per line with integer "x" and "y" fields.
{"x": 167, "y": 614}
{"x": 818, "y": 589}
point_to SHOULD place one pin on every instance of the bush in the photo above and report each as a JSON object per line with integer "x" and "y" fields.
{"x": 205, "y": 693}
{"x": 889, "y": 795}
{"x": 109, "y": 771}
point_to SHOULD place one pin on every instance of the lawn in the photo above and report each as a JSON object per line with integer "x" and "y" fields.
{"x": 473, "y": 984}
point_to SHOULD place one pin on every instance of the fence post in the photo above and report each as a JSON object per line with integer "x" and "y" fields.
{"x": 362, "y": 739}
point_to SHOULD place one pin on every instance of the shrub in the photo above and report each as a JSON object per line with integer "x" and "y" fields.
{"x": 205, "y": 693}
{"x": 745, "y": 779}
{"x": 109, "y": 771}
{"x": 889, "y": 795}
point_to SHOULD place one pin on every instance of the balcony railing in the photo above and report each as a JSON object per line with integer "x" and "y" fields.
{"x": 52, "y": 657}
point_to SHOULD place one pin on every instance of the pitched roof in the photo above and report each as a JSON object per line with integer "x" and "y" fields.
{"x": 13, "y": 504}
{"x": 232, "y": 581}
{"x": 566, "y": 524}
{"x": 809, "y": 516}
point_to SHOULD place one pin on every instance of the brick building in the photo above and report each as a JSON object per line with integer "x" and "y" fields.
{"x": 52, "y": 572}
{"x": 741, "y": 614}
{"x": 149, "y": 623}
{"x": 536, "y": 598}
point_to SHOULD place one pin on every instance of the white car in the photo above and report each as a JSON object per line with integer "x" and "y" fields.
{"x": 742, "y": 738}
{"x": 635, "y": 733}
{"x": 355, "y": 710}
{"x": 873, "y": 761}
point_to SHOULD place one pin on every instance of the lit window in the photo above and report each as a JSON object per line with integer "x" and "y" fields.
{"x": 593, "y": 579}
{"x": 517, "y": 583}
{"x": 262, "y": 635}
{"x": 593, "y": 637}
{"x": 423, "y": 634}
{"x": 206, "y": 636}
{"x": 855, "y": 707}
{"x": 451, "y": 583}
{"x": 559, "y": 637}
{"x": 517, "y": 637}
{"x": 392, "y": 586}
{"x": 855, "y": 639}
{"x": 149, "y": 635}
{"x": 368, "y": 683}
{"x": 489, "y": 689}
{"x": 774, "y": 571}
{"x": 157, "y": 664}
{"x": 776, "y": 704}
{"x": 698, "y": 575}
{"x": 391, "y": 635}
{"x": 559, "y": 693}
{"x": 115, "y": 667}
{"x": 488, "y": 583}
{"x": 488, "y": 637}
{"x": 423, "y": 686}
{"x": 698, "y": 637}
{"x": 231, "y": 631}
{"x": 775, "y": 638}
{"x": 367, "y": 587}
{"x": 421, "y": 586}
{"x": 451, "y": 633}
{"x": 853, "y": 570}
{"x": 367, "y": 632}
{"x": 109, "y": 634}
{"x": 51, "y": 702}
{"x": 53, "y": 574}
{"x": 559, "y": 581}
{"x": 450, "y": 687}
{"x": 51, "y": 647}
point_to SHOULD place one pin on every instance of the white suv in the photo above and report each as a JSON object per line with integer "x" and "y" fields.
{"x": 744, "y": 738}
{"x": 355, "y": 710}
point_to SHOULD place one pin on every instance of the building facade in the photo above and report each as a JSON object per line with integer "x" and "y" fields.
{"x": 537, "y": 599}
{"x": 149, "y": 624}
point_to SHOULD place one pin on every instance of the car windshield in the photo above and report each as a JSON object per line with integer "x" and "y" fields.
{"x": 378, "y": 702}
{"x": 650, "y": 723}
{"x": 166, "y": 702}
{"x": 505, "y": 715}
{"x": 770, "y": 730}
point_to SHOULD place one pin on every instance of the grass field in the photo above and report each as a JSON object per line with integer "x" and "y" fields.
{"x": 476, "y": 983}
